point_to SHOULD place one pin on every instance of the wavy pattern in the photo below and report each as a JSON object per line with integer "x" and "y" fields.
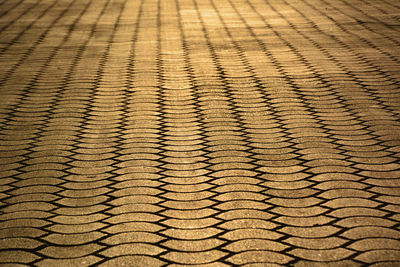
{"x": 204, "y": 133}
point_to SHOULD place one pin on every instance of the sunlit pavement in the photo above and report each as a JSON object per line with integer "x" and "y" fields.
{"x": 200, "y": 132}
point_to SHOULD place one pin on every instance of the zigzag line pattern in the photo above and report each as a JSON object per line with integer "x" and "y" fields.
{"x": 200, "y": 133}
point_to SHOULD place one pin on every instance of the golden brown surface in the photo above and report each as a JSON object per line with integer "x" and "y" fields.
{"x": 199, "y": 132}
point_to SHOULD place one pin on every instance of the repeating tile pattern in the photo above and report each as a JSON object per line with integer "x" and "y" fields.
{"x": 199, "y": 132}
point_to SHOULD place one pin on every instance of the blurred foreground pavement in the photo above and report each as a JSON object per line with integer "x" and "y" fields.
{"x": 200, "y": 132}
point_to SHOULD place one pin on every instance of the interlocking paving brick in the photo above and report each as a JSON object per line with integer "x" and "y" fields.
{"x": 201, "y": 132}
{"x": 81, "y": 261}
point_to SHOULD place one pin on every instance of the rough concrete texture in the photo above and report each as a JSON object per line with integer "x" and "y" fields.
{"x": 200, "y": 132}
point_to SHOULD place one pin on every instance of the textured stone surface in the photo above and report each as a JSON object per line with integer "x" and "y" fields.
{"x": 201, "y": 132}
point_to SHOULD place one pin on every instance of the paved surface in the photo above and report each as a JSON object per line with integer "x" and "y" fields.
{"x": 217, "y": 133}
